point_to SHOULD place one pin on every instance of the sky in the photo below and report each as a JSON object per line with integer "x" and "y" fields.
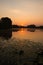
{"x": 22, "y": 12}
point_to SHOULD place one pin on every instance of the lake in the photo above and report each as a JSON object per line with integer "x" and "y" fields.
{"x": 31, "y": 34}
{"x": 27, "y": 33}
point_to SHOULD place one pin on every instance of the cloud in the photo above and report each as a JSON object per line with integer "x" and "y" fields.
{"x": 16, "y": 11}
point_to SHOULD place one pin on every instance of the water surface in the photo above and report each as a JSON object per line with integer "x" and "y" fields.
{"x": 30, "y": 34}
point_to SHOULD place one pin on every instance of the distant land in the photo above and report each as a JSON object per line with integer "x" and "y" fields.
{"x": 28, "y": 26}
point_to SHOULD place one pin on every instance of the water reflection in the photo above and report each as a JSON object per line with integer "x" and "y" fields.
{"x": 7, "y": 34}
{"x": 41, "y": 30}
{"x": 31, "y": 29}
{"x": 23, "y": 33}
{"x": 15, "y": 29}
{"x": 28, "y": 33}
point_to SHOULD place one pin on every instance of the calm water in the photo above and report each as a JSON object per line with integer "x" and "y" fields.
{"x": 23, "y": 33}
{"x": 31, "y": 34}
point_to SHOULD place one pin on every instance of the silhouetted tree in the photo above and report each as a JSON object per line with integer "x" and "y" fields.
{"x": 41, "y": 27}
{"x": 15, "y": 26}
{"x": 0, "y": 24}
{"x": 6, "y": 23}
{"x": 31, "y": 26}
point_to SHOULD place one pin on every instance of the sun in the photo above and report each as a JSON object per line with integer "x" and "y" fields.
{"x": 21, "y": 24}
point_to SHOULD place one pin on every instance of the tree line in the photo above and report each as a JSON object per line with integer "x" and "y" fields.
{"x": 6, "y": 23}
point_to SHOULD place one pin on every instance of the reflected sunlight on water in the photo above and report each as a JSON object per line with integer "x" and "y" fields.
{"x": 31, "y": 34}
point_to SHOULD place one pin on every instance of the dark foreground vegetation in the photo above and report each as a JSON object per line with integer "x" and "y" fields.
{"x": 20, "y": 52}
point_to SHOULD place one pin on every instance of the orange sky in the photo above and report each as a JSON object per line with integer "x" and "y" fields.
{"x": 22, "y": 12}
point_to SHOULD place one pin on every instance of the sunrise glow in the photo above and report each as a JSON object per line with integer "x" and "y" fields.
{"x": 22, "y": 12}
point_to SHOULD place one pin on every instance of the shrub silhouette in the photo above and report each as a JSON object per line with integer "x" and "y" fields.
{"x": 31, "y": 26}
{"x": 5, "y": 23}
